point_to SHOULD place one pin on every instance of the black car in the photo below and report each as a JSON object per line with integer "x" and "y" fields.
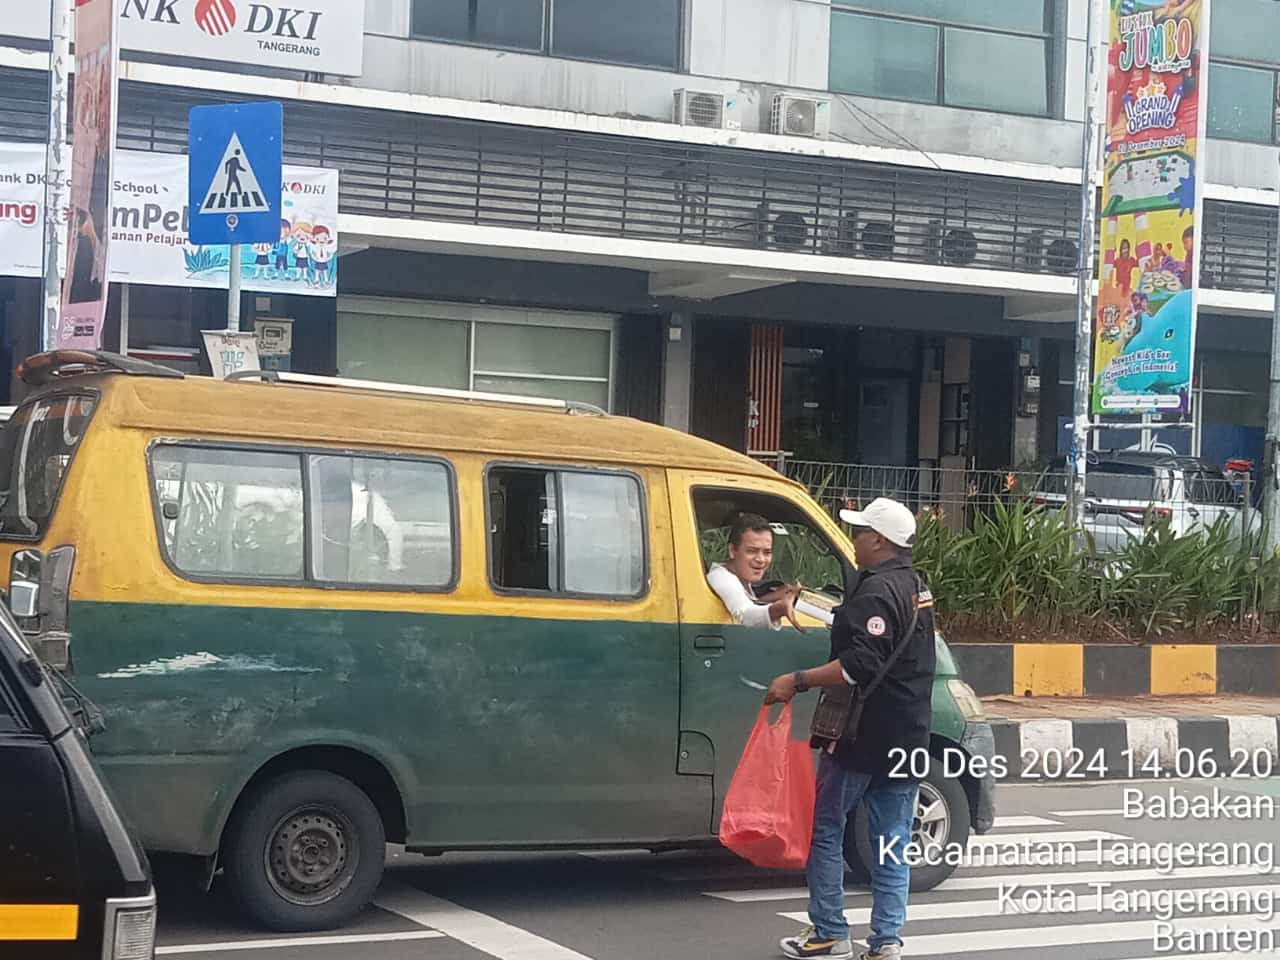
{"x": 73, "y": 882}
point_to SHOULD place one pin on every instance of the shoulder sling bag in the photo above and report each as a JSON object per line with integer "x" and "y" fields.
{"x": 839, "y": 708}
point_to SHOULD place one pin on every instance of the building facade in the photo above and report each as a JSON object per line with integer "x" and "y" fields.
{"x": 845, "y": 229}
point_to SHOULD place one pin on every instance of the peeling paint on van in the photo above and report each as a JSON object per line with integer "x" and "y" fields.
{"x": 187, "y": 662}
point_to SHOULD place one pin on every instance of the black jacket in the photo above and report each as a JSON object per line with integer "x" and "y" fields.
{"x": 868, "y": 627}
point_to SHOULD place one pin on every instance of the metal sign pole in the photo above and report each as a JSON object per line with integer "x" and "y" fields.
{"x": 1082, "y": 391}
{"x": 233, "y": 291}
{"x": 1271, "y": 493}
{"x": 57, "y": 171}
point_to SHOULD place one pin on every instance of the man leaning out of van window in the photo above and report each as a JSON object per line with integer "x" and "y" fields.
{"x": 750, "y": 554}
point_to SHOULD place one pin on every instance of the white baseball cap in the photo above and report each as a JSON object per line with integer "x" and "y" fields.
{"x": 889, "y": 518}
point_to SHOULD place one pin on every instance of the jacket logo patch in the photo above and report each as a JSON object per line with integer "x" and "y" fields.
{"x": 876, "y": 626}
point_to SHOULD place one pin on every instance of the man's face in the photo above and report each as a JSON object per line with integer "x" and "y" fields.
{"x": 751, "y": 558}
{"x": 866, "y": 545}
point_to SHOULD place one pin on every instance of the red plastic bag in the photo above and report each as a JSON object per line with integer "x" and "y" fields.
{"x": 768, "y": 809}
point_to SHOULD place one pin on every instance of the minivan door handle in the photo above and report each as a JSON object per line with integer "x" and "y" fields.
{"x": 708, "y": 644}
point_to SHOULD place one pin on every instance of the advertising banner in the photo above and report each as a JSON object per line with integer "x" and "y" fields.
{"x": 149, "y": 227}
{"x": 85, "y": 283}
{"x": 1145, "y": 320}
{"x": 316, "y": 36}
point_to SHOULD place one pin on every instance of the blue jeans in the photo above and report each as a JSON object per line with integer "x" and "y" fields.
{"x": 891, "y": 807}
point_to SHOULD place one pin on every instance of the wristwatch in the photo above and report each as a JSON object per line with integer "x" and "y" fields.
{"x": 801, "y": 686}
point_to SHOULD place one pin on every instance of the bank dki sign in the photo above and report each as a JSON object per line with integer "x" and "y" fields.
{"x": 308, "y": 35}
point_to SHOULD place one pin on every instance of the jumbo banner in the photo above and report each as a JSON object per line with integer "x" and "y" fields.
{"x": 84, "y": 289}
{"x": 1145, "y": 321}
{"x": 149, "y": 227}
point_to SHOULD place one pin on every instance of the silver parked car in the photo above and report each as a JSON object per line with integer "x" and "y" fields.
{"x": 1126, "y": 489}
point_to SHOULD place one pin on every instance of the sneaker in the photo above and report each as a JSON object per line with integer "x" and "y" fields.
{"x": 887, "y": 951}
{"x": 809, "y": 944}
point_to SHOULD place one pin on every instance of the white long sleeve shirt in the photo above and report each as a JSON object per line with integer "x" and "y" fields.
{"x": 742, "y": 606}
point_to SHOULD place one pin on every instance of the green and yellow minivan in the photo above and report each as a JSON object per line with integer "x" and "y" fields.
{"x": 319, "y": 616}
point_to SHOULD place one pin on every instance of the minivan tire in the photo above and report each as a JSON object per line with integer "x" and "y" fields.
{"x": 305, "y": 852}
{"x": 945, "y": 795}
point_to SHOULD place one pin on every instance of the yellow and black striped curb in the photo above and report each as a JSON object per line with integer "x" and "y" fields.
{"x": 1117, "y": 670}
{"x": 1136, "y": 748}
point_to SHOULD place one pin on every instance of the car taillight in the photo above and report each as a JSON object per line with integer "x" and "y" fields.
{"x": 1140, "y": 516}
{"x": 134, "y": 935}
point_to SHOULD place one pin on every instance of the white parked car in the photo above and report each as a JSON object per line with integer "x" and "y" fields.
{"x": 1125, "y": 489}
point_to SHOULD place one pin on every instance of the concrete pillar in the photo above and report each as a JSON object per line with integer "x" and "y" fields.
{"x": 677, "y": 371}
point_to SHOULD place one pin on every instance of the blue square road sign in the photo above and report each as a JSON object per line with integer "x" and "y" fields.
{"x": 234, "y": 159}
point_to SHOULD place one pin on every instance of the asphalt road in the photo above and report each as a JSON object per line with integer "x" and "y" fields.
{"x": 638, "y": 906}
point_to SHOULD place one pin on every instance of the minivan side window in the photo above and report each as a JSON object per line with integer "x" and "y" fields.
{"x": 371, "y": 522}
{"x": 231, "y": 513}
{"x": 574, "y": 532}
{"x": 381, "y": 521}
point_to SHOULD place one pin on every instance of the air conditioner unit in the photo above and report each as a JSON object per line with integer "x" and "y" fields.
{"x": 790, "y": 230}
{"x": 702, "y": 108}
{"x": 1062, "y": 256}
{"x": 877, "y": 239}
{"x": 959, "y": 247}
{"x": 801, "y": 117}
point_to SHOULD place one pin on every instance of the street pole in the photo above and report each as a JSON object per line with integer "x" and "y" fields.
{"x": 1271, "y": 492}
{"x": 124, "y": 319}
{"x": 57, "y": 172}
{"x": 1084, "y": 280}
{"x": 233, "y": 291}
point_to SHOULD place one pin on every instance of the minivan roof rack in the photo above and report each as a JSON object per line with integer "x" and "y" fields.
{"x": 279, "y": 376}
{"x": 43, "y": 368}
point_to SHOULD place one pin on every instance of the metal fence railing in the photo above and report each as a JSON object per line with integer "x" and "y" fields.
{"x": 1118, "y": 504}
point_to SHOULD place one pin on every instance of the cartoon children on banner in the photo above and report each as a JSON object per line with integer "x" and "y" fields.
{"x": 323, "y": 248}
{"x": 304, "y": 254}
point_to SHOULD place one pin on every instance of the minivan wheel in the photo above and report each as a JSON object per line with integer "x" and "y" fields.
{"x": 305, "y": 852}
{"x": 942, "y": 817}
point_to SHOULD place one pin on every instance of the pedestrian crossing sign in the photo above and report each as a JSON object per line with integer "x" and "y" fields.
{"x": 235, "y": 173}
{"x": 235, "y": 186}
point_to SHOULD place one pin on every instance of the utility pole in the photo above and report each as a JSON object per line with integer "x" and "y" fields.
{"x": 1271, "y": 477}
{"x": 233, "y": 289}
{"x": 1083, "y": 389}
{"x": 57, "y": 172}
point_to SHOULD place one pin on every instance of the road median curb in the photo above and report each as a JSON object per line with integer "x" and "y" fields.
{"x": 1111, "y": 670}
{"x": 1043, "y": 750}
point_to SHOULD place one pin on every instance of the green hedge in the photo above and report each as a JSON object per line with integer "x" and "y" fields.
{"x": 1020, "y": 564}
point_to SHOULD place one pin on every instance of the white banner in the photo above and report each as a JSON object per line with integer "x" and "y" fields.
{"x": 149, "y": 227}
{"x": 324, "y": 36}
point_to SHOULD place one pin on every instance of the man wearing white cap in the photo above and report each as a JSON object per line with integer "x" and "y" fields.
{"x": 882, "y": 642}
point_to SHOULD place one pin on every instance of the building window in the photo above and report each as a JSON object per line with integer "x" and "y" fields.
{"x": 614, "y": 31}
{"x": 565, "y": 356}
{"x": 566, "y": 531}
{"x": 1244, "y": 75}
{"x": 939, "y": 51}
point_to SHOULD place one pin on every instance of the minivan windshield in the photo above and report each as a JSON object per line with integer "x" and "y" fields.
{"x": 36, "y": 447}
